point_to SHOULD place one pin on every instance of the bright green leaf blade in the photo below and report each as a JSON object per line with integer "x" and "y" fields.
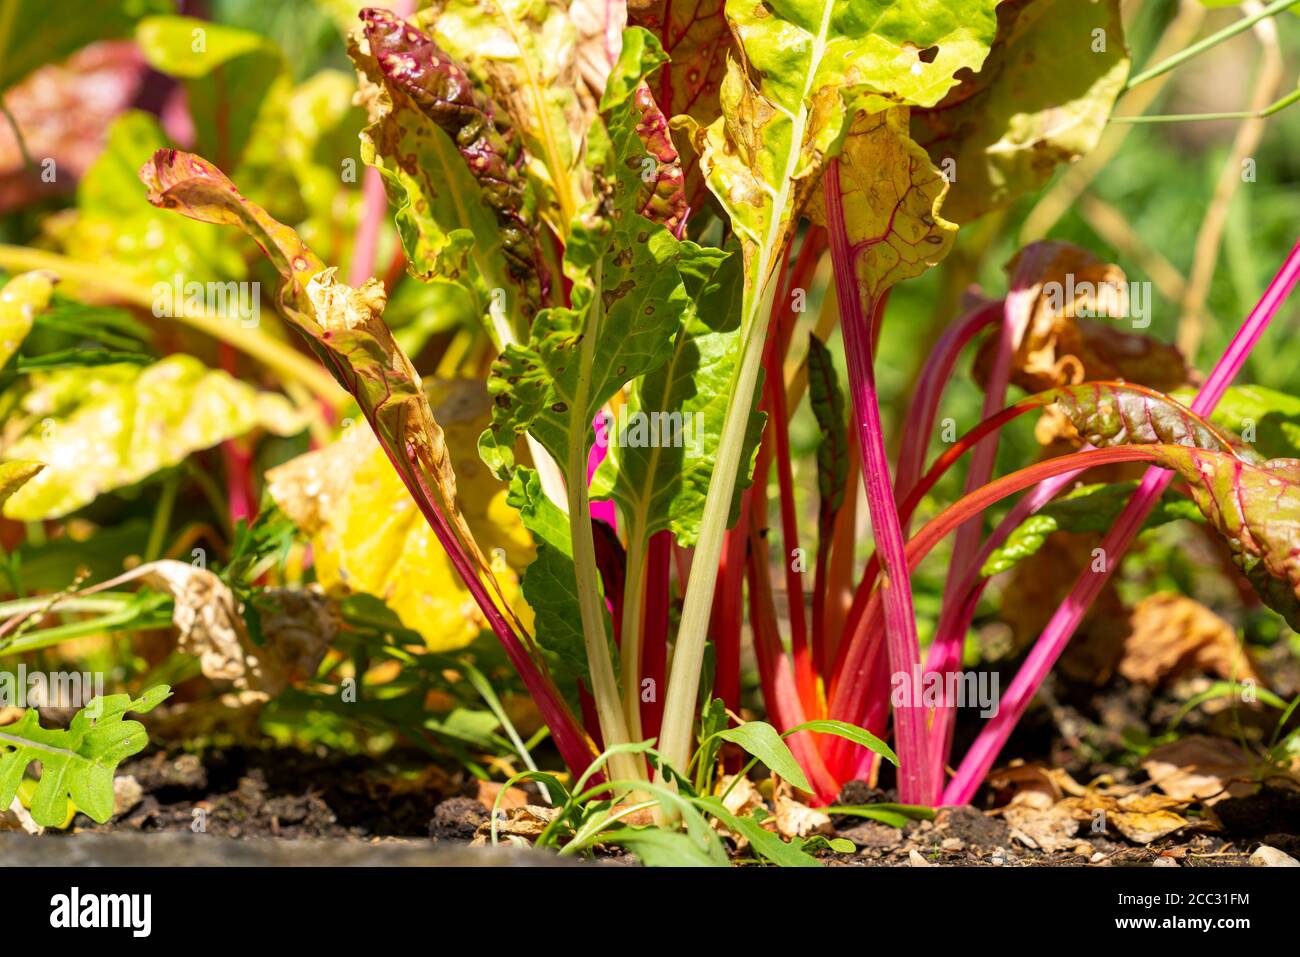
{"x": 764, "y": 843}
{"x": 663, "y": 443}
{"x": 852, "y": 732}
{"x": 76, "y": 763}
{"x": 660, "y": 848}
{"x": 761, "y": 740}
{"x": 550, "y": 584}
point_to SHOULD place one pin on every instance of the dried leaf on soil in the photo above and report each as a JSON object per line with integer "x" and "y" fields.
{"x": 1172, "y": 635}
{"x": 1200, "y": 768}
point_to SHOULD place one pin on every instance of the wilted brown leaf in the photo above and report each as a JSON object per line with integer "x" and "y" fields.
{"x": 1172, "y": 634}
{"x": 512, "y": 798}
{"x": 297, "y": 627}
{"x": 1074, "y": 331}
{"x": 796, "y": 819}
{"x": 1142, "y": 818}
{"x": 1200, "y": 768}
{"x": 520, "y": 824}
{"x": 1039, "y": 822}
{"x": 1020, "y": 778}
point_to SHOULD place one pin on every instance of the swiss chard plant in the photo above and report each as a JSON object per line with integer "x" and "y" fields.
{"x": 595, "y": 355}
{"x": 535, "y": 176}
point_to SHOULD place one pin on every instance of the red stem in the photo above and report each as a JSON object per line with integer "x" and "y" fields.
{"x": 924, "y": 407}
{"x": 854, "y": 699}
{"x": 1056, "y": 635}
{"x": 654, "y": 638}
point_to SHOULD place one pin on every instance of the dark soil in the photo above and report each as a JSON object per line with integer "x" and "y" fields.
{"x": 251, "y": 793}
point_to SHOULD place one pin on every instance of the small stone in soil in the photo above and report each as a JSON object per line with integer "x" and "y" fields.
{"x": 457, "y": 818}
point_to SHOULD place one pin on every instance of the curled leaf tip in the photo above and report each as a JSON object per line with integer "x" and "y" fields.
{"x": 339, "y": 306}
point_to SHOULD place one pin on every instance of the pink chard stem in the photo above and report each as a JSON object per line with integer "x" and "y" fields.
{"x": 914, "y": 784}
{"x": 945, "y": 652}
{"x": 979, "y": 760}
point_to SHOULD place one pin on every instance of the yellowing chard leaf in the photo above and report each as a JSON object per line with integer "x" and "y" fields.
{"x": 891, "y": 200}
{"x": 1043, "y": 98}
{"x": 344, "y": 326}
{"x": 20, "y": 300}
{"x": 122, "y": 423}
{"x": 525, "y": 53}
{"x": 1256, "y": 508}
{"x": 368, "y": 534}
{"x": 450, "y": 165}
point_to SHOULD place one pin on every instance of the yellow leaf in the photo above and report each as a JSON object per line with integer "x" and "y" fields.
{"x": 369, "y": 536}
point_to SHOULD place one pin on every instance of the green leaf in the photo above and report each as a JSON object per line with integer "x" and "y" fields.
{"x": 657, "y": 847}
{"x": 1089, "y": 508}
{"x": 852, "y": 732}
{"x": 77, "y": 763}
{"x": 761, "y": 740}
{"x": 1042, "y": 98}
{"x": 34, "y": 33}
{"x": 451, "y": 171}
{"x": 119, "y": 424}
{"x": 895, "y": 815}
{"x": 21, "y": 300}
{"x": 659, "y": 482}
{"x": 550, "y": 584}
{"x": 833, "y": 450}
{"x": 229, "y": 75}
{"x": 764, "y": 843}
{"x": 628, "y": 292}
